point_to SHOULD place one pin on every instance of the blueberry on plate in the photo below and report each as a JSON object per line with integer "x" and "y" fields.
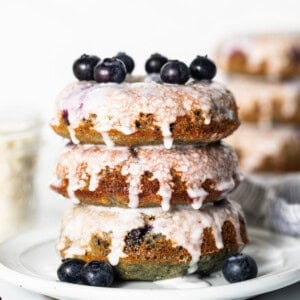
{"x": 110, "y": 70}
{"x": 175, "y": 71}
{"x": 97, "y": 273}
{"x": 203, "y": 68}
{"x": 83, "y": 67}
{"x": 69, "y": 270}
{"x": 127, "y": 60}
{"x": 239, "y": 267}
{"x": 155, "y": 63}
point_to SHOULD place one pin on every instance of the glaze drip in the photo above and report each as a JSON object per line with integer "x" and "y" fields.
{"x": 182, "y": 225}
{"x": 83, "y": 166}
{"x": 118, "y": 106}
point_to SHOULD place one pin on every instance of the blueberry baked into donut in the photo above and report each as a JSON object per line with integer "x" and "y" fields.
{"x": 146, "y": 171}
{"x": 151, "y": 244}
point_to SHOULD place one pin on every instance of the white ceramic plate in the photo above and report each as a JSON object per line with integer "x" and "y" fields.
{"x": 30, "y": 261}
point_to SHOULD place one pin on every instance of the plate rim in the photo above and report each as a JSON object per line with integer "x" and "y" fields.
{"x": 262, "y": 284}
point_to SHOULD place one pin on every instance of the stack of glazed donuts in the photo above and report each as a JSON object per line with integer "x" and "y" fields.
{"x": 148, "y": 174}
{"x": 263, "y": 72}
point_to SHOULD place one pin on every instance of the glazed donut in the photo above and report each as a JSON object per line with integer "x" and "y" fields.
{"x": 274, "y": 55}
{"x": 147, "y": 176}
{"x": 150, "y": 244}
{"x": 266, "y": 101}
{"x": 267, "y": 149}
{"x": 145, "y": 113}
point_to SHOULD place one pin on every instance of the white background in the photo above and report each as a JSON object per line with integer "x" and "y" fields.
{"x": 39, "y": 40}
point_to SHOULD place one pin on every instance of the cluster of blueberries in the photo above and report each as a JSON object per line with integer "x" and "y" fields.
{"x": 236, "y": 268}
{"x": 94, "y": 273}
{"x": 91, "y": 67}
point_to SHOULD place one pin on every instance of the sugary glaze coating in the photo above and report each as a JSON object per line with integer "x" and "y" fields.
{"x": 274, "y": 55}
{"x": 267, "y": 149}
{"x": 151, "y": 244}
{"x": 266, "y": 101}
{"x": 147, "y": 176}
{"x": 145, "y": 113}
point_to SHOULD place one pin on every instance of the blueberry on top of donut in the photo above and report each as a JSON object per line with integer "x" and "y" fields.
{"x": 175, "y": 71}
{"x": 127, "y": 60}
{"x": 83, "y": 67}
{"x": 203, "y": 68}
{"x": 154, "y": 63}
{"x": 110, "y": 70}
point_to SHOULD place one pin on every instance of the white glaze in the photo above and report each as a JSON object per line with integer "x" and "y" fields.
{"x": 73, "y": 137}
{"x": 107, "y": 140}
{"x": 82, "y": 166}
{"x": 118, "y": 106}
{"x": 182, "y": 225}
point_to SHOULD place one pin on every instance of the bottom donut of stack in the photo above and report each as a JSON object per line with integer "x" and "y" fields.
{"x": 152, "y": 244}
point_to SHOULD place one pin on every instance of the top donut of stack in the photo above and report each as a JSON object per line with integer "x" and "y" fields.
{"x": 145, "y": 112}
{"x": 275, "y": 55}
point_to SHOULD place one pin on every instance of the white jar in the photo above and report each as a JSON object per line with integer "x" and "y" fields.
{"x": 19, "y": 144}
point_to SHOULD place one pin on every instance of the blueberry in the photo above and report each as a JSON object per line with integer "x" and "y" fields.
{"x": 239, "y": 267}
{"x": 69, "y": 270}
{"x": 110, "y": 70}
{"x": 295, "y": 55}
{"x": 97, "y": 273}
{"x": 127, "y": 60}
{"x": 136, "y": 236}
{"x": 65, "y": 116}
{"x": 83, "y": 67}
{"x": 155, "y": 63}
{"x": 203, "y": 68}
{"x": 175, "y": 71}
